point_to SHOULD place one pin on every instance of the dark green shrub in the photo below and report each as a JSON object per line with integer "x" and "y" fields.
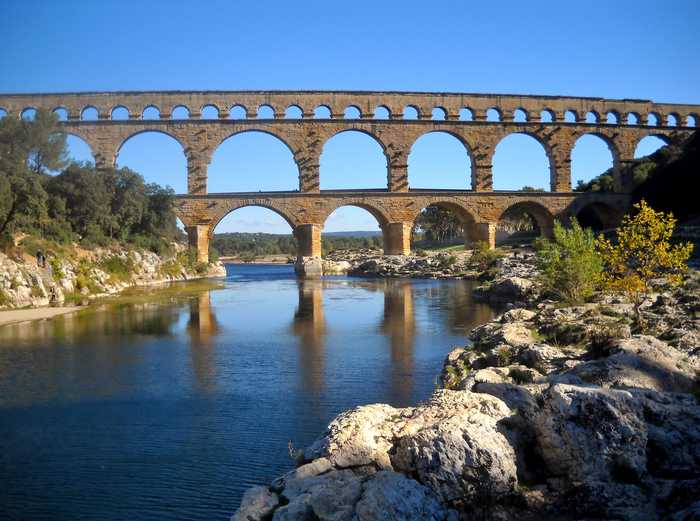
{"x": 484, "y": 258}
{"x": 569, "y": 264}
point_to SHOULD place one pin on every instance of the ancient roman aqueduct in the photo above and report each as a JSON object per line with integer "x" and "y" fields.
{"x": 556, "y": 122}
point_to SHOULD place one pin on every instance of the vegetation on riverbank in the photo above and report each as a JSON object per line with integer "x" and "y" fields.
{"x": 44, "y": 194}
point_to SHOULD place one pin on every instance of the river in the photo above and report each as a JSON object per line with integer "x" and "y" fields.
{"x": 169, "y": 403}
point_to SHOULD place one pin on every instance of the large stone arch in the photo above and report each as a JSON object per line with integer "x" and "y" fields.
{"x": 542, "y": 141}
{"x": 468, "y": 218}
{"x": 145, "y": 130}
{"x": 71, "y": 132}
{"x": 225, "y": 208}
{"x": 605, "y": 138}
{"x": 268, "y": 130}
{"x": 452, "y": 133}
{"x": 543, "y": 217}
{"x": 379, "y": 213}
{"x": 353, "y": 127}
{"x": 598, "y": 215}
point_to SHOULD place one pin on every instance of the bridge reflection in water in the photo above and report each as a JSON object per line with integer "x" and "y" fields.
{"x": 115, "y": 337}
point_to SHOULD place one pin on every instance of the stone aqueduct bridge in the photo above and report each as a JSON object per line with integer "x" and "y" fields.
{"x": 397, "y": 206}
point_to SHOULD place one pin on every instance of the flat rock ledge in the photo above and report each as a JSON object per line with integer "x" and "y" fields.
{"x": 548, "y": 414}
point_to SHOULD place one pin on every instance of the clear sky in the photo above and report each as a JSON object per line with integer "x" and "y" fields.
{"x": 627, "y": 49}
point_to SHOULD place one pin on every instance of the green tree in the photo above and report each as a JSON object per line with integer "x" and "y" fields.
{"x": 642, "y": 256}
{"x": 22, "y": 196}
{"x": 569, "y": 264}
{"x": 439, "y": 224}
{"x": 45, "y": 143}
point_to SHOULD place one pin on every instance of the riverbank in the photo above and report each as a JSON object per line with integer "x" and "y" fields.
{"x": 17, "y": 316}
{"x": 76, "y": 275}
{"x": 263, "y": 259}
{"x": 551, "y": 412}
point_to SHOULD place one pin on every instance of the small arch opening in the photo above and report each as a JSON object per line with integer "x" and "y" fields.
{"x": 410, "y": 112}
{"x": 439, "y": 114}
{"x": 180, "y": 112}
{"x": 632, "y": 118}
{"x": 653, "y": 119}
{"x": 322, "y": 112}
{"x": 210, "y": 112}
{"x": 613, "y": 118}
{"x": 591, "y": 117}
{"x": 352, "y": 112}
{"x": 570, "y": 116}
{"x": 381, "y": 112}
{"x": 466, "y": 114}
{"x": 61, "y": 113}
{"x": 238, "y": 112}
{"x": 28, "y": 114}
{"x": 672, "y": 120}
{"x": 119, "y": 113}
{"x": 293, "y": 112}
{"x": 151, "y": 112}
{"x": 691, "y": 120}
{"x": 520, "y": 116}
{"x": 266, "y": 112}
{"x": 89, "y": 114}
{"x": 547, "y": 116}
{"x": 3, "y": 113}
{"x": 493, "y": 114}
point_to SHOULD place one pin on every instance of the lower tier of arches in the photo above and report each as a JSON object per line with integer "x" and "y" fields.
{"x": 481, "y": 215}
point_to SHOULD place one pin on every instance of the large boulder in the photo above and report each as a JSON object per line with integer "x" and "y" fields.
{"x": 591, "y": 434}
{"x": 257, "y": 504}
{"x": 309, "y": 267}
{"x": 453, "y": 443}
{"x": 394, "y": 497}
{"x": 639, "y": 362}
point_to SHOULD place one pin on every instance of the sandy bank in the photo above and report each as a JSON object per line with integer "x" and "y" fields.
{"x": 14, "y": 316}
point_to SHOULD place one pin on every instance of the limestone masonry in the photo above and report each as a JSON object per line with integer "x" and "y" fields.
{"x": 396, "y": 207}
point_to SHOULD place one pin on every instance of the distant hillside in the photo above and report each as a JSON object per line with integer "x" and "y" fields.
{"x": 673, "y": 185}
{"x": 668, "y": 179}
{"x": 356, "y": 233}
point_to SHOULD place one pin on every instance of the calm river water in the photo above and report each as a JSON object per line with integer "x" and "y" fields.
{"x": 168, "y": 404}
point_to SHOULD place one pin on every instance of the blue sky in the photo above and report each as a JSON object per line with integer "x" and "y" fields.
{"x": 628, "y": 49}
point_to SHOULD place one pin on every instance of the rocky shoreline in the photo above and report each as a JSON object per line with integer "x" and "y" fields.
{"x": 549, "y": 413}
{"x": 23, "y": 284}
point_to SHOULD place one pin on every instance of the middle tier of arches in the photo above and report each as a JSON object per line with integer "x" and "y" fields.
{"x": 394, "y": 144}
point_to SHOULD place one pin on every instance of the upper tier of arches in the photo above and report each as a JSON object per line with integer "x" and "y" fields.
{"x": 363, "y": 105}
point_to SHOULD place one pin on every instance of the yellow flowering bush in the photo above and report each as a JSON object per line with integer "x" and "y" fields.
{"x": 643, "y": 254}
